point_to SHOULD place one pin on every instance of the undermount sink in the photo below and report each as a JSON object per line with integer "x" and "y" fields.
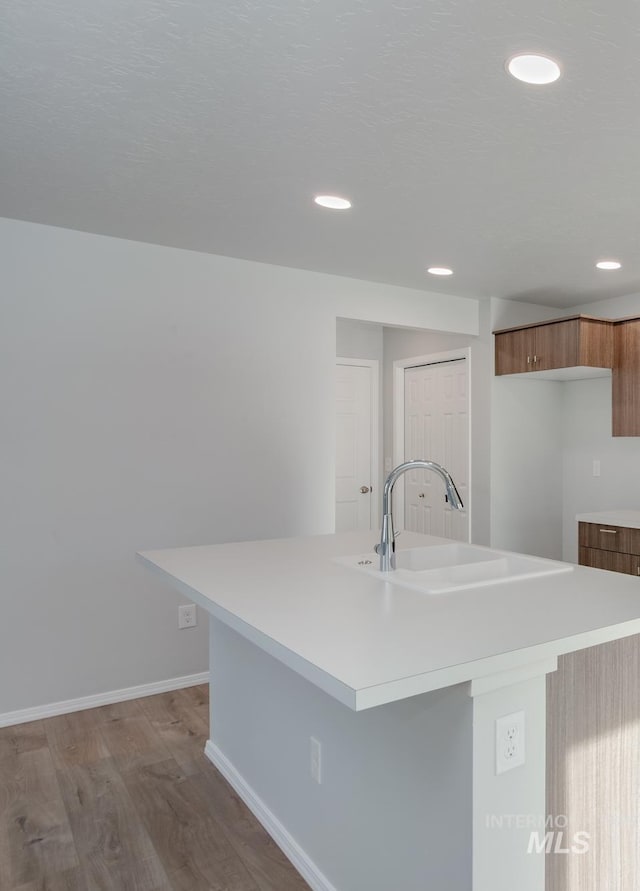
{"x": 439, "y": 569}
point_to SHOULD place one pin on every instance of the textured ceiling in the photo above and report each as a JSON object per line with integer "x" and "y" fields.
{"x": 210, "y": 124}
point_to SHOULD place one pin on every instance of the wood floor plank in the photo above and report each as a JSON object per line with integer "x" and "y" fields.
{"x": 22, "y": 738}
{"x": 133, "y": 742}
{"x": 188, "y": 838}
{"x": 181, "y": 729}
{"x": 164, "y": 707}
{"x": 113, "y": 846}
{"x": 189, "y": 878}
{"x": 75, "y": 739}
{"x": 116, "y": 711}
{"x": 197, "y": 698}
{"x": 122, "y": 798}
{"x": 35, "y": 841}
{"x": 27, "y": 776}
{"x": 269, "y": 867}
{"x": 70, "y": 880}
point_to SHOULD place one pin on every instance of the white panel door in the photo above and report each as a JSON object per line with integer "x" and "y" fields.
{"x": 354, "y": 427}
{"x": 437, "y": 428}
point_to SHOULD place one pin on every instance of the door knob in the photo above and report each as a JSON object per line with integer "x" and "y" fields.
{"x": 364, "y": 489}
{"x": 420, "y": 494}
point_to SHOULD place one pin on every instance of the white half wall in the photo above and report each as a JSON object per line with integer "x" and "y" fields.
{"x": 394, "y": 808}
{"x": 154, "y": 397}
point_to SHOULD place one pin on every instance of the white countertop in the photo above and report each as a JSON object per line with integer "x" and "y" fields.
{"x": 366, "y": 641}
{"x": 628, "y": 518}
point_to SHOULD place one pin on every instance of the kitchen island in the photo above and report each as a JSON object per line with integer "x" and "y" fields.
{"x": 389, "y": 697}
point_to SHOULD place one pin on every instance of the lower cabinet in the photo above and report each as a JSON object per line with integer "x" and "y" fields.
{"x": 616, "y": 548}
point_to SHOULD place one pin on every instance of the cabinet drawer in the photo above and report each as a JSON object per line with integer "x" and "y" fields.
{"x": 614, "y": 562}
{"x": 609, "y": 538}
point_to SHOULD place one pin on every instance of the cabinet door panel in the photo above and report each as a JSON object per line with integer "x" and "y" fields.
{"x": 595, "y": 343}
{"x": 514, "y": 351}
{"x": 626, "y": 379}
{"x": 556, "y": 346}
{"x": 610, "y": 560}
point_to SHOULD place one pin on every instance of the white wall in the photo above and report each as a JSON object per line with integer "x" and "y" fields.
{"x": 510, "y": 313}
{"x": 526, "y": 467}
{"x": 545, "y": 437}
{"x": 526, "y": 450}
{"x": 400, "y": 343}
{"x": 587, "y": 437}
{"x": 613, "y": 308}
{"x": 153, "y": 397}
{"x": 359, "y": 340}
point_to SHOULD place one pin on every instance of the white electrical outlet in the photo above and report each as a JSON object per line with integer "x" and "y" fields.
{"x": 315, "y": 750}
{"x": 596, "y": 467}
{"x": 187, "y": 617}
{"x": 510, "y": 750}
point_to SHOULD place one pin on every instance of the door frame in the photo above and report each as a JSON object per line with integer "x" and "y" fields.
{"x": 399, "y": 367}
{"x": 376, "y": 470}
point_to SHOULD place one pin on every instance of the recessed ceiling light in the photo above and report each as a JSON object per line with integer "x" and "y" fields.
{"x": 333, "y": 202}
{"x": 532, "y": 68}
{"x": 608, "y": 264}
{"x": 440, "y": 270}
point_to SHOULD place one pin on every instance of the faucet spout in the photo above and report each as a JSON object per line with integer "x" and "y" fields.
{"x": 386, "y": 549}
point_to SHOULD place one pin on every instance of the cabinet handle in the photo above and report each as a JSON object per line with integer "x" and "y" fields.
{"x": 528, "y": 360}
{"x": 610, "y": 531}
{"x": 535, "y": 360}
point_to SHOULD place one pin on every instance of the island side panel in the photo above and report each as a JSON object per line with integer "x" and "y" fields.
{"x": 394, "y": 808}
{"x": 593, "y": 776}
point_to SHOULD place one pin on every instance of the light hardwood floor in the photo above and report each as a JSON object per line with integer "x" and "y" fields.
{"x": 121, "y": 798}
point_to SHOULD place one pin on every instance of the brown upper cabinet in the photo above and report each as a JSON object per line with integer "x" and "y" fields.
{"x": 576, "y": 341}
{"x": 626, "y": 378}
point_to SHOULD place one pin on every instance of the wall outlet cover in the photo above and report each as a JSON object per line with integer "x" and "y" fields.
{"x": 187, "y": 616}
{"x": 510, "y": 742}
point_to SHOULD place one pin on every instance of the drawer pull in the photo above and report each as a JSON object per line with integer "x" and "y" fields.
{"x": 610, "y": 531}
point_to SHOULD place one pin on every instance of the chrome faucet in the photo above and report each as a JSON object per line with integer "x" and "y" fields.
{"x": 387, "y": 547}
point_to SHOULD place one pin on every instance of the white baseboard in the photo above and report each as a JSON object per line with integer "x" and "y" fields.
{"x": 24, "y": 715}
{"x": 281, "y": 836}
